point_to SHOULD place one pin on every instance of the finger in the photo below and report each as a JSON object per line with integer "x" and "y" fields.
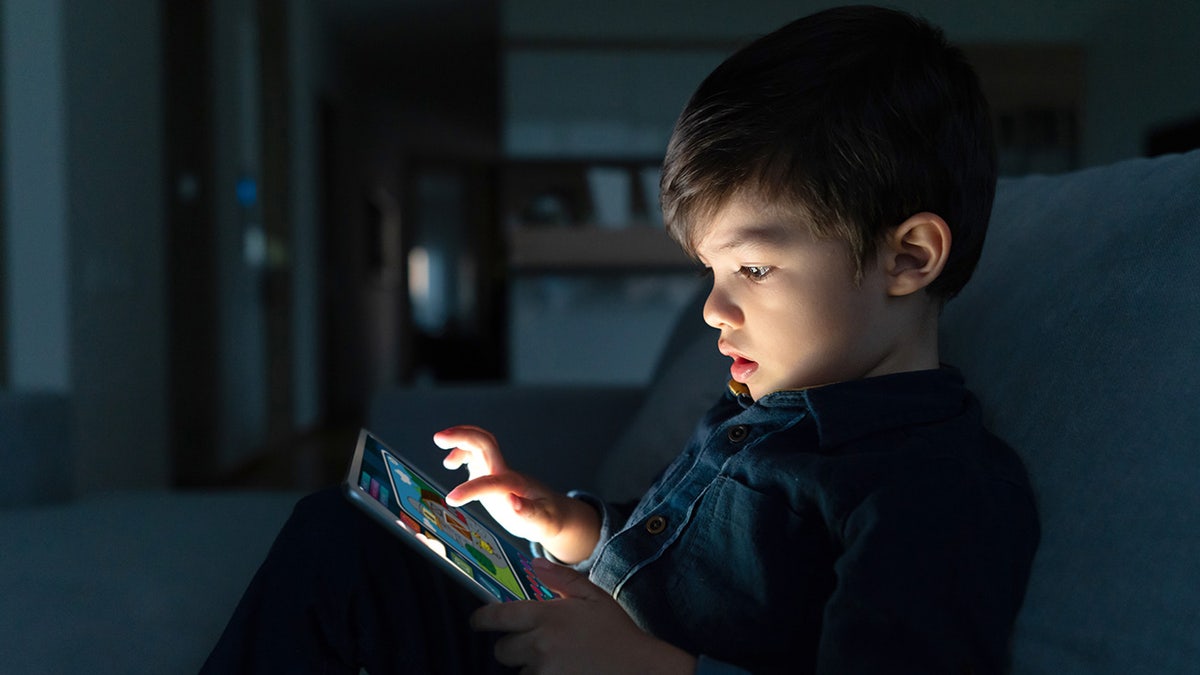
{"x": 471, "y": 445}
{"x": 456, "y": 458}
{"x": 565, "y": 581}
{"x": 517, "y": 616}
{"x": 452, "y": 436}
{"x": 488, "y": 486}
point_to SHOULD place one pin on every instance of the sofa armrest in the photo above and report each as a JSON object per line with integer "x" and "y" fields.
{"x": 558, "y": 434}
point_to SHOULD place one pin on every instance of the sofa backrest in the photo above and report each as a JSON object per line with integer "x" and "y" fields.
{"x": 1080, "y": 333}
{"x": 687, "y": 381}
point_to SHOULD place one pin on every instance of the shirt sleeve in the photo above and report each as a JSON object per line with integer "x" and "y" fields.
{"x": 612, "y": 519}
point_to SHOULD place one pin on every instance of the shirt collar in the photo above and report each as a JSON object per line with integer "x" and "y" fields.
{"x": 855, "y": 409}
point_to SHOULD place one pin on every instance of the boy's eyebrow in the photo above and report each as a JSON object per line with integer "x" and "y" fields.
{"x": 758, "y": 234}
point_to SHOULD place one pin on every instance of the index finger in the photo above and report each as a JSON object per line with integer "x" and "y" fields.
{"x": 483, "y": 486}
{"x": 473, "y": 446}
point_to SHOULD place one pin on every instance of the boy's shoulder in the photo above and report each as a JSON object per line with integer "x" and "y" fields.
{"x": 869, "y": 411}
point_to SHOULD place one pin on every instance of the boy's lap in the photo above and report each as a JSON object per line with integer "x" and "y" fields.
{"x": 403, "y": 603}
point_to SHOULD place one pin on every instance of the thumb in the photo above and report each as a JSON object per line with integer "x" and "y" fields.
{"x": 565, "y": 581}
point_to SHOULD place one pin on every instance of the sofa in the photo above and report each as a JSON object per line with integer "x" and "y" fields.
{"x": 1080, "y": 333}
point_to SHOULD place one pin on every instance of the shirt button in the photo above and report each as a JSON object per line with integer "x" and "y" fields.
{"x": 656, "y": 525}
{"x": 739, "y": 433}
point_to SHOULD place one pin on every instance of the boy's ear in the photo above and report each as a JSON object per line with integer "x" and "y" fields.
{"x": 914, "y": 253}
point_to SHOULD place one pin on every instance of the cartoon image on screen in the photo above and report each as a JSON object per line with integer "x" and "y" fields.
{"x": 451, "y": 533}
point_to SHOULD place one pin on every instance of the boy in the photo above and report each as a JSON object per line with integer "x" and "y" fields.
{"x": 841, "y": 509}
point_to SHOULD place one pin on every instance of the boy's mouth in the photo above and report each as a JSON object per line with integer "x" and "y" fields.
{"x": 742, "y": 368}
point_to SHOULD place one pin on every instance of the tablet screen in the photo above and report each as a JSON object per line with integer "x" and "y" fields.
{"x": 419, "y": 510}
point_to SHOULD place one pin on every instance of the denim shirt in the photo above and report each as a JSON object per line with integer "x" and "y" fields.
{"x": 863, "y": 527}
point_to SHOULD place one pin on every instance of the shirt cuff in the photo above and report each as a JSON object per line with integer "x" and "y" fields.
{"x": 608, "y": 517}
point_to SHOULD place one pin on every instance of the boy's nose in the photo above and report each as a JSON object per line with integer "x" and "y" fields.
{"x": 720, "y": 311}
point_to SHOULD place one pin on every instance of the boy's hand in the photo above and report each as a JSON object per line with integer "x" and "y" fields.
{"x": 584, "y": 631}
{"x": 566, "y": 527}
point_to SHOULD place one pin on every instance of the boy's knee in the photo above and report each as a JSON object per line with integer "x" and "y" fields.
{"x": 323, "y": 514}
{"x": 319, "y": 502}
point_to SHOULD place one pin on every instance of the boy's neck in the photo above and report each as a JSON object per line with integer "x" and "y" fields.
{"x": 916, "y": 344}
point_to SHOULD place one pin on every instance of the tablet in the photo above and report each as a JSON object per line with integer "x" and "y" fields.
{"x": 414, "y": 507}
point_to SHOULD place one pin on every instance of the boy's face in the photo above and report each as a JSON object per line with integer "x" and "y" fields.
{"x": 790, "y": 313}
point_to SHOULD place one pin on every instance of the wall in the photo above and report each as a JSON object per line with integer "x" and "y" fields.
{"x": 1141, "y": 68}
{"x": 116, "y": 215}
{"x": 1143, "y": 72}
{"x": 35, "y": 189}
{"x": 83, "y": 183}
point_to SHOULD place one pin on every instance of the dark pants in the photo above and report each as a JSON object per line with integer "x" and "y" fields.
{"x": 337, "y": 593}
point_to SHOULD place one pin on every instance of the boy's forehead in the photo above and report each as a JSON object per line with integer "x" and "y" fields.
{"x": 744, "y": 223}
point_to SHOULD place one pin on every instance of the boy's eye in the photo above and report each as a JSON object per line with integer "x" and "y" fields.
{"x": 755, "y": 272}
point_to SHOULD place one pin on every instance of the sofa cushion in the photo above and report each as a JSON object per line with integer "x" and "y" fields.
{"x": 132, "y": 583}
{"x": 1080, "y": 332}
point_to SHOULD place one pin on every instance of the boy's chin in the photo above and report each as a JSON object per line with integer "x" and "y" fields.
{"x": 757, "y": 392}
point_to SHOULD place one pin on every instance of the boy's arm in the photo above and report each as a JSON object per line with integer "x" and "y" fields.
{"x": 566, "y": 528}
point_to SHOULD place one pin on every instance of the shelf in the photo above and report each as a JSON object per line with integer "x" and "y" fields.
{"x": 594, "y": 249}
